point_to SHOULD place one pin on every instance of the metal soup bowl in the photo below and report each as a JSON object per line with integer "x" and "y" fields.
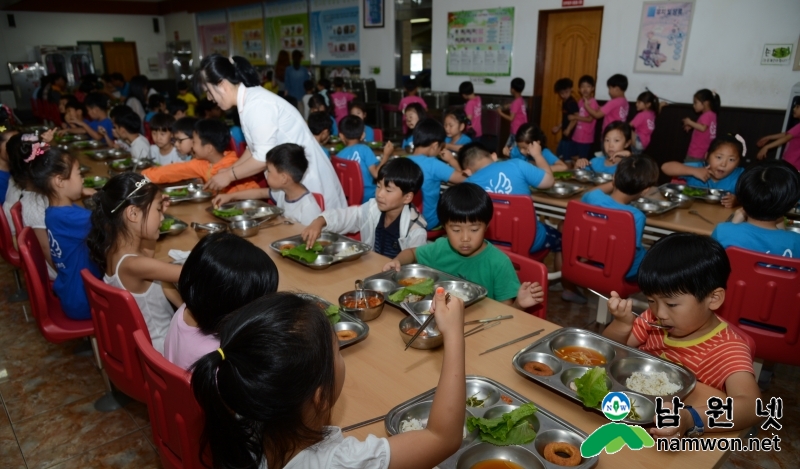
{"x": 205, "y": 229}
{"x": 433, "y": 339}
{"x": 683, "y": 200}
{"x": 243, "y": 228}
{"x": 486, "y": 452}
{"x": 367, "y": 313}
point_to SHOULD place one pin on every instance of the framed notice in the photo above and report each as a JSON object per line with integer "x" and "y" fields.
{"x": 480, "y": 42}
{"x": 286, "y": 28}
{"x": 663, "y": 37}
{"x": 247, "y": 30}
{"x": 212, "y": 30}
{"x": 374, "y": 13}
{"x": 335, "y": 36}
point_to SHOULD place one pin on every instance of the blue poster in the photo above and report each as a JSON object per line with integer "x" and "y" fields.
{"x": 335, "y": 36}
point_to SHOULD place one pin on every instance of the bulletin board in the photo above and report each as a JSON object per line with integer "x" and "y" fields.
{"x": 286, "y": 28}
{"x": 247, "y": 29}
{"x": 480, "y": 42}
{"x": 663, "y": 37}
{"x": 212, "y": 29}
{"x": 335, "y": 34}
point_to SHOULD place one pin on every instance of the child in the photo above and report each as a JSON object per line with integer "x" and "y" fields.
{"x": 320, "y": 126}
{"x": 340, "y": 98}
{"x": 616, "y": 145}
{"x": 262, "y": 347}
{"x": 155, "y": 104}
{"x": 317, "y": 104}
{"x": 113, "y": 139}
{"x": 127, "y": 126}
{"x": 308, "y": 85}
{"x": 389, "y": 222}
{"x": 125, "y": 225}
{"x": 767, "y": 192}
{"x": 684, "y": 277}
{"x": 583, "y": 135}
{"x": 517, "y": 111}
{"x": 706, "y": 103}
{"x": 187, "y": 97}
{"x": 73, "y": 117}
{"x": 359, "y": 109}
{"x": 465, "y": 211}
{"x": 791, "y": 138}
{"x": 644, "y": 122}
{"x": 616, "y": 108}
{"x": 5, "y": 166}
{"x": 269, "y": 82}
{"x": 182, "y": 132}
{"x": 207, "y": 109}
{"x": 324, "y": 90}
{"x": 413, "y": 114}
{"x": 178, "y": 109}
{"x": 163, "y": 152}
{"x": 472, "y": 108}
{"x": 351, "y": 132}
{"x": 286, "y": 164}
{"x": 97, "y": 109}
{"x": 566, "y": 147}
{"x": 412, "y": 88}
{"x": 720, "y": 170}
{"x": 634, "y": 176}
{"x": 455, "y": 124}
{"x": 527, "y": 135}
{"x": 247, "y": 272}
{"x": 210, "y": 140}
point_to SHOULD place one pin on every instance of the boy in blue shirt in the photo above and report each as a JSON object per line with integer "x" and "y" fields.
{"x": 97, "y": 109}
{"x": 466, "y": 210}
{"x": 767, "y": 192}
{"x": 351, "y": 132}
{"x": 320, "y": 126}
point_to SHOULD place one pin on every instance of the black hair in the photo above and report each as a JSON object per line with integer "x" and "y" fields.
{"x": 684, "y": 264}
{"x": 289, "y": 158}
{"x": 726, "y": 139}
{"x": 183, "y": 86}
{"x": 308, "y": 85}
{"x": 129, "y": 121}
{"x": 648, "y": 97}
{"x": 325, "y": 83}
{"x": 459, "y": 115}
{"x": 88, "y": 85}
{"x": 465, "y": 203}
{"x": 518, "y": 84}
{"x": 17, "y": 166}
{"x": 184, "y": 125}
{"x": 43, "y": 168}
{"x": 427, "y": 132}
{"x": 316, "y": 100}
{"x": 119, "y": 110}
{"x": 352, "y": 127}
{"x": 177, "y": 105}
{"x": 319, "y": 121}
{"x": 72, "y": 103}
{"x": 623, "y": 127}
{"x": 254, "y": 400}
{"x": 116, "y": 76}
{"x": 357, "y": 104}
{"x": 618, "y": 80}
{"x": 155, "y": 101}
{"x": 223, "y": 273}
{"x": 403, "y": 173}
{"x": 96, "y": 99}
{"x": 215, "y": 68}
{"x": 203, "y": 106}
{"x": 529, "y": 133}
{"x": 711, "y": 96}
{"x": 411, "y": 84}
{"x": 338, "y": 82}
{"x": 562, "y": 84}
{"x": 161, "y": 121}
{"x": 213, "y": 132}
{"x": 297, "y": 57}
{"x": 422, "y": 114}
{"x": 586, "y": 79}
{"x": 635, "y": 174}
{"x": 137, "y": 88}
{"x": 769, "y": 190}
{"x": 470, "y": 153}
{"x": 466, "y": 88}
{"x": 57, "y": 76}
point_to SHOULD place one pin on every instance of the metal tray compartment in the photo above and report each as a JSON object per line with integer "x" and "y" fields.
{"x": 563, "y": 190}
{"x": 88, "y": 144}
{"x": 621, "y": 361}
{"x": 388, "y": 283}
{"x": 654, "y": 206}
{"x": 122, "y": 165}
{"x": 193, "y": 194}
{"x": 99, "y": 155}
{"x": 711, "y": 196}
{"x": 337, "y": 248}
{"x": 177, "y": 227}
{"x": 253, "y": 210}
{"x": 499, "y": 399}
{"x": 347, "y": 322}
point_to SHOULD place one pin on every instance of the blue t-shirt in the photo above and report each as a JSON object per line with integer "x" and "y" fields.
{"x": 434, "y": 173}
{"x": 327, "y": 152}
{"x": 67, "y": 229}
{"x": 406, "y": 142}
{"x": 462, "y": 140}
{"x": 366, "y": 158}
{"x": 728, "y": 183}
{"x": 754, "y": 238}
{"x": 149, "y": 115}
{"x": 237, "y": 134}
{"x": 598, "y": 165}
{"x": 4, "y": 177}
{"x": 546, "y": 154}
{"x": 334, "y": 127}
{"x": 106, "y": 123}
{"x": 369, "y": 134}
{"x": 294, "y": 79}
{"x": 601, "y": 199}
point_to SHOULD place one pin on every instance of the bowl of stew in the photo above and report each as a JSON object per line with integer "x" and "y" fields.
{"x": 366, "y": 305}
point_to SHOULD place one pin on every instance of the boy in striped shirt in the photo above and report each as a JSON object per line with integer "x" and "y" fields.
{"x": 684, "y": 277}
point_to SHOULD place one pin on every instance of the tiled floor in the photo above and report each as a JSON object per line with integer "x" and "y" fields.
{"x": 48, "y": 418}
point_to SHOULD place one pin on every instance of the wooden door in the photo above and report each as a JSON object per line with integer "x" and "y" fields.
{"x": 121, "y": 57}
{"x": 571, "y": 47}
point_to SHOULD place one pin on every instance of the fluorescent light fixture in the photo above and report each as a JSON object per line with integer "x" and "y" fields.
{"x": 420, "y": 20}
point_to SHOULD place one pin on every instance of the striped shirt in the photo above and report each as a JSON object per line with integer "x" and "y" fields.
{"x": 712, "y": 357}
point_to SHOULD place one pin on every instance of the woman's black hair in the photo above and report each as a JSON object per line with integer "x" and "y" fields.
{"x": 461, "y": 117}
{"x": 427, "y": 132}
{"x": 726, "y": 139}
{"x": 465, "y": 203}
{"x": 403, "y": 173}
{"x": 297, "y": 58}
{"x": 213, "y": 132}
{"x": 223, "y": 273}
{"x": 215, "y": 68}
{"x": 289, "y": 158}
{"x": 623, "y": 127}
{"x": 319, "y": 121}
{"x": 137, "y": 88}
{"x": 711, "y": 96}
{"x": 422, "y": 114}
{"x": 129, "y": 121}
{"x": 648, "y": 97}
{"x": 769, "y": 190}
{"x": 40, "y": 171}
{"x": 529, "y": 133}
{"x": 278, "y": 354}
{"x": 635, "y": 174}
{"x": 352, "y": 127}
{"x": 108, "y": 227}
{"x": 684, "y": 264}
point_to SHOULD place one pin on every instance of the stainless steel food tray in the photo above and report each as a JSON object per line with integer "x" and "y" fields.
{"x": 253, "y": 210}
{"x": 347, "y": 322}
{"x": 549, "y": 427}
{"x": 86, "y": 144}
{"x": 177, "y": 227}
{"x": 108, "y": 154}
{"x": 192, "y": 195}
{"x": 121, "y": 165}
{"x": 587, "y": 175}
{"x": 387, "y": 283}
{"x": 711, "y": 196}
{"x": 334, "y": 243}
{"x": 563, "y": 190}
{"x": 654, "y": 206}
{"x": 621, "y": 361}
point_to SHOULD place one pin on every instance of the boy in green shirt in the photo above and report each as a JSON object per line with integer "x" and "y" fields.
{"x": 465, "y": 210}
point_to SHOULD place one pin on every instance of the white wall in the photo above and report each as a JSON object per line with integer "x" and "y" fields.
{"x": 65, "y": 29}
{"x": 184, "y": 24}
{"x": 377, "y": 48}
{"x": 725, "y": 43}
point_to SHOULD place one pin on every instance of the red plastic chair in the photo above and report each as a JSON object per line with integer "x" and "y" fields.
{"x": 54, "y": 325}
{"x": 241, "y": 148}
{"x": 530, "y": 270}
{"x": 16, "y": 217}
{"x": 9, "y": 252}
{"x": 175, "y": 416}
{"x": 148, "y": 133}
{"x": 320, "y": 200}
{"x": 231, "y": 144}
{"x": 378, "y": 134}
{"x": 116, "y": 317}
{"x": 514, "y": 225}
{"x": 763, "y": 299}
{"x": 349, "y": 174}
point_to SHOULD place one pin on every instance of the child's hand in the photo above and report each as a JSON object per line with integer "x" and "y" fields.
{"x": 728, "y": 200}
{"x": 449, "y": 315}
{"x": 615, "y": 158}
{"x": 530, "y": 294}
{"x": 88, "y": 192}
{"x": 581, "y": 163}
{"x": 507, "y": 151}
{"x": 687, "y": 121}
{"x": 447, "y": 156}
{"x": 47, "y": 137}
{"x": 687, "y": 128}
{"x": 701, "y": 173}
{"x": 393, "y": 264}
{"x": 555, "y": 129}
{"x": 221, "y": 199}
{"x": 739, "y": 216}
{"x": 102, "y": 131}
{"x": 572, "y": 117}
{"x": 311, "y": 233}
{"x": 762, "y": 141}
{"x": 622, "y": 310}
{"x": 762, "y": 153}
{"x": 535, "y": 148}
{"x": 388, "y": 150}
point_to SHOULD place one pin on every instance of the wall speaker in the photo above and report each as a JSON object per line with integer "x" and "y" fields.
{"x": 12, "y": 22}
{"x": 156, "y": 27}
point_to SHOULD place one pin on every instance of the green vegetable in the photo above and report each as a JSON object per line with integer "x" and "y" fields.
{"x": 423, "y": 289}
{"x": 634, "y": 414}
{"x": 562, "y": 174}
{"x": 227, "y": 213}
{"x": 592, "y": 387}
{"x": 473, "y": 401}
{"x": 167, "y": 224}
{"x": 125, "y": 162}
{"x": 512, "y": 428}
{"x": 300, "y": 252}
{"x": 178, "y": 192}
{"x": 694, "y": 192}
{"x": 332, "y": 312}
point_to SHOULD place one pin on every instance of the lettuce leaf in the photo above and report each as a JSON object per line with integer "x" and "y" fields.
{"x": 423, "y": 289}
{"x": 592, "y": 387}
{"x": 228, "y": 212}
{"x": 300, "y": 252}
{"x": 332, "y": 312}
{"x": 511, "y": 428}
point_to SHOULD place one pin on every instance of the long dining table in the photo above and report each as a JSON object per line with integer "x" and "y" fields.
{"x": 380, "y": 375}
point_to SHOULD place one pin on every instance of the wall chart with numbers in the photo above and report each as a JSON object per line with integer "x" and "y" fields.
{"x": 480, "y": 42}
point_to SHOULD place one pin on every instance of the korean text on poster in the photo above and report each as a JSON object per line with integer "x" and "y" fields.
{"x": 480, "y": 42}
{"x": 663, "y": 37}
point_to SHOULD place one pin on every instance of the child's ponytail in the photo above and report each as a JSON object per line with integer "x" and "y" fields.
{"x": 648, "y": 97}
{"x": 529, "y": 133}
{"x": 461, "y": 117}
{"x": 215, "y": 68}
{"x": 40, "y": 163}
{"x": 711, "y": 96}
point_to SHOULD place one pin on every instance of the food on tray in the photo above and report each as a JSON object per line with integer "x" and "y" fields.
{"x": 348, "y": 251}
{"x": 592, "y": 387}
{"x": 420, "y": 289}
{"x": 496, "y": 464}
{"x": 178, "y": 192}
{"x": 562, "y": 174}
{"x": 167, "y": 224}
{"x": 511, "y": 428}
{"x": 473, "y": 401}
{"x": 346, "y": 334}
{"x": 287, "y": 246}
{"x": 538, "y": 368}
{"x": 125, "y": 162}
{"x": 693, "y": 192}
{"x": 653, "y": 383}
{"x": 423, "y": 334}
{"x": 228, "y": 212}
{"x": 362, "y": 303}
{"x": 506, "y": 399}
{"x": 332, "y": 311}
{"x": 634, "y": 414}
{"x": 93, "y": 183}
{"x": 300, "y": 252}
{"x": 412, "y": 424}
{"x": 581, "y": 356}
{"x": 563, "y": 454}
{"x": 407, "y": 282}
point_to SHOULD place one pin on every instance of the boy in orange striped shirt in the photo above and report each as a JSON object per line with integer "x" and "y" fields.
{"x": 210, "y": 140}
{"x": 684, "y": 277}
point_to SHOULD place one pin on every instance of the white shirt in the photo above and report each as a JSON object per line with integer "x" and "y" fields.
{"x": 302, "y": 210}
{"x": 137, "y": 106}
{"x": 33, "y": 207}
{"x": 344, "y": 73}
{"x": 269, "y": 120}
{"x": 337, "y": 452}
{"x": 163, "y": 160}
{"x": 365, "y": 219}
{"x": 140, "y": 148}
{"x": 305, "y": 106}
{"x": 13, "y": 195}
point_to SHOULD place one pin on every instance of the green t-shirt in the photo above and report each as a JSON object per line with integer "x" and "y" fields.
{"x": 490, "y": 268}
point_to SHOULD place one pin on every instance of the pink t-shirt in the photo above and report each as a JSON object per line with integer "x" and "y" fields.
{"x": 473, "y": 110}
{"x": 584, "y": 131}
{"x": 520, "y": 113}
{"x": 340, "y": 100}
{"x": 615, "y": 110}
{"x": 643, "y": 124}
{"x": 411, "y": 99}
{"x": 791, "y": 153}
{"x": 700, "y": 142}
{"x": 185, "y": 344}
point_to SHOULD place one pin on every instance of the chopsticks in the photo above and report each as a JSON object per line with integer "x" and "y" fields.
{"x": 528, "y": 336}
{"x": 496, "y": 318}
{"x": 424, "y": 325}
{"x": 363, "y": 424}
{"x": 481, "y": 328}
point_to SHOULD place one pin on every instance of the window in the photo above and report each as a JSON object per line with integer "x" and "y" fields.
{"x": 416, "y": 61}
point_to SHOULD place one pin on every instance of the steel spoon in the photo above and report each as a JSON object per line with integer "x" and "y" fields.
{"x": 638, "y": 315}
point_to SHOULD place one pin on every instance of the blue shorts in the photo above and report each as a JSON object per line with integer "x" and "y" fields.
{"x": 552, "y": 240}
{"x": 583, "y": 149}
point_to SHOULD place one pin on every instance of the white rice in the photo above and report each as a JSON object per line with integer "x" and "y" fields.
{"x": 460, "y": 296}
{"x": 414, "y": 424}
{"x": 653, "y": 384}
{"x": 348, "y": 251}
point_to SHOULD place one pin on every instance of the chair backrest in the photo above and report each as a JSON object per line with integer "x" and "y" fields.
{"x": 7, "y": 249}
{"x": 530, "y": 270}
{"x": 116, "y": 317}
{"x": 231, "y": 143}
{"x": 378, "y": 133}
{"x": 16, "y": 217}
{"x": 240, "y": 148}
{"x": 599, "y": 245}
{"x": 763, "y": 299}
{"x": 320, "y": 200}
{"x": 349, "y": 174}
{"x": 148, "y": 133}
{"x": 513, "y": 225}
{"x": 175, "y": 416}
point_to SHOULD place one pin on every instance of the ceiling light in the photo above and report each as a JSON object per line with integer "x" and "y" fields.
{"x": 421, "y": 20}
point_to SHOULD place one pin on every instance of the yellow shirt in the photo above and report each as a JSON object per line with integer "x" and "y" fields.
{"x": 190, "y": 101}
{"x": 270, "y": 86}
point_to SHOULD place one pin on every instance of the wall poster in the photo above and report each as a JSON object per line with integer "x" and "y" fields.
{"x": 212, "y": 29}
{"x": 663, "y": 37}
{"x": 286, "y": 28}
{"x": 247, "y": 29}
{"x": 335, "y": 33}
{"x": 480, "y": 42}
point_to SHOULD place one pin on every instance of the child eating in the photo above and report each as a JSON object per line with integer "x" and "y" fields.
{"x": 127, "y": 126}
{"x": 319, "y": 123}
{"x": 527, "y": 135}
{"x": 359, "y": 109}
{"x": 616, "y": 146}
{"x": 97, "y": 109}
{"x": 455, "y": 126}
{"x": 162, "y": 151}
{"x": 351, "y": 132}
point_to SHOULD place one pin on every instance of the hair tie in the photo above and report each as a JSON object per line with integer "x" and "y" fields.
{"x": 232, "y": 61}
{"x": 221, "y": 353}
{"x": 36, "y": 150}
{"x": 741, "y": 140}
{"x": 714, "y": 92}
